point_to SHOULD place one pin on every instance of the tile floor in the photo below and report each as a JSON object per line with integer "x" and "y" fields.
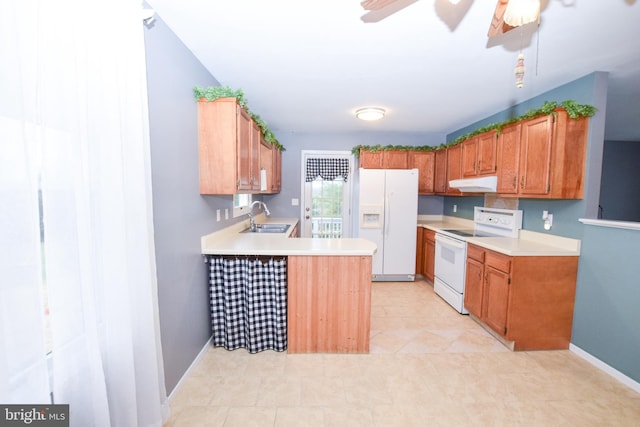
{"x": 428, "y": 366}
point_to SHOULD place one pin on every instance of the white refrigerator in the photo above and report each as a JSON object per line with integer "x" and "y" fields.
{"x": 388, "y": 216}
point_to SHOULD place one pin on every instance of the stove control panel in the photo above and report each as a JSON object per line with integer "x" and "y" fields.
{"x": 504, "y": 222}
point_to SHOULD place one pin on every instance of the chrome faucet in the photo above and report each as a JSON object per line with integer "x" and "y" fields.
{"x": 252, "y": 223}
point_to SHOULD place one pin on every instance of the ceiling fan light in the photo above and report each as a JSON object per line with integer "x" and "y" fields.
{"x": 520, "y": 12}
{"x": 370, "y": 113}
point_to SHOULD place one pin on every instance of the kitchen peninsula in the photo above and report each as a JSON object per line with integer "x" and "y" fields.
{"x": 328, "y": 284}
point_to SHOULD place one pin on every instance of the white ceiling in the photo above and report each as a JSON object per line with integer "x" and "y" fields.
{"x": 306, "y": 66}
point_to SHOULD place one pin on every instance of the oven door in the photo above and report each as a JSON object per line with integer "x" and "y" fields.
{"x": 450, "y": 261}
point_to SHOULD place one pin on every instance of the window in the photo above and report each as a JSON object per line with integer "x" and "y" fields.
{"x": 241, "y": 203}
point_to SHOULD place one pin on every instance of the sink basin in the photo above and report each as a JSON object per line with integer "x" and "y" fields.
{"x": 268, "y": 228}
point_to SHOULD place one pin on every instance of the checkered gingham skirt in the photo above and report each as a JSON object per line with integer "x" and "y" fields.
{"x": 248, "y": 297}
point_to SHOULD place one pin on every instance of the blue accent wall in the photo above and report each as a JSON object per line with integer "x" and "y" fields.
{"x": 620, "y": 188}
{"x": 606, "y": 322}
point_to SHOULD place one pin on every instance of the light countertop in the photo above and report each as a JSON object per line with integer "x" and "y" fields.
{"x": 528, "y": 244}
{"x": 231, "y": 241}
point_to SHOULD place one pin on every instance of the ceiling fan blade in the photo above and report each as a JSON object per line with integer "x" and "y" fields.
{"x": 498, "y": 26}
{"x": 376, "y": 4}
{"x": 392, "y": 7}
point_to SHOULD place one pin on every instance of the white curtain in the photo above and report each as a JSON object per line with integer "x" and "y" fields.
{"x": 78, "y": 298}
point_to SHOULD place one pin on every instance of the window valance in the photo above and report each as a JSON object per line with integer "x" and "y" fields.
{"x": 327, "y": 169}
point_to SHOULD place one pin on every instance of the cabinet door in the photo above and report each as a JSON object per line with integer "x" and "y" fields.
{"x": 244, "y": 150}
{"x": 395, "y": 159}
{"x": 276, "y": 179}
{"x": 266, "y": 164}
{"x": 535, "y": 155}
{"x": 419, "y": 247}
{"x": 487, "y": 162}
{"x": 254, "y": 153}
{"x": 454, "y": 167}
{"x": 218, "y": 146}
{"x": 429, "y": 254}
{"x": 508, "y": 159}
{"x": 496, "y": 299}
{"x": 370, "y": 159}
{"x": 440, "y": 175}
{"x": 425, "y": 162}
{"x": 474, "y": 287}
{"x": 469, "y": 161}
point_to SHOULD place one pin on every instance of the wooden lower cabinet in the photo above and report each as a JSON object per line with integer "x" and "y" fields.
{"x": 425, "y": 253}
{"x": 329, "y": 304}
{"x": 526, "y": 300}
{"x": 419, "y": 250}
{"x": 428, "y": 253}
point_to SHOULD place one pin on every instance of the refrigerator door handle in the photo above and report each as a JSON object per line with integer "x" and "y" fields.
{"x": 387, "y": 216}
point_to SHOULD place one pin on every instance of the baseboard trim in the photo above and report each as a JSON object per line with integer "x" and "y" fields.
{"x": 188, "y": 371}
{"x": 629, "y": 382}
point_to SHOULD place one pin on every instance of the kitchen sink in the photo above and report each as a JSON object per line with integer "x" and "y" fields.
{"x": 268, "y": 228}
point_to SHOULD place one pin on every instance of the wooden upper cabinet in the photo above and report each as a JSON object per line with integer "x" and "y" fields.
{"x": 395, "y": 159}
{"x": 229, "y": 150}
{"x": 569, "y": 156}
{"x": 276, "y": 182}
{"x": 487, "y": 155}
{"x": 370, "y": 159}
{"x": 479, "y": 155}
{"x": 469, "y": 152}
{"x": 440, "y": 172}
{"x": 384, "y": 159}
{"x": 271, "y": 162}
{"x": 508, "y": 154}
{"x": 224, "y": 147}
{"x": 535, "y": 156}
{"x": 543, "y": 157}
{"x": 425, "y": 162}
{"x": 454, "y": 167}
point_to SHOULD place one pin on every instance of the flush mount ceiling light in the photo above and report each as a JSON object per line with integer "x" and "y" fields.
{"x": 520, "y": 12}
{"x": 370, "y": 113}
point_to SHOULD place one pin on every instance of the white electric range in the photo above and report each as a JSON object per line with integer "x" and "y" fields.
{"x": 451, "y": 250}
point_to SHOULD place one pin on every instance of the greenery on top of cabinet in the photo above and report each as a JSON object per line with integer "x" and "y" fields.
{"x": 212, "y": 93}
{"x": 573, "y": 109}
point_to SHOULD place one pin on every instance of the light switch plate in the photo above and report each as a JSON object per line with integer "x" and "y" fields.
{"x": 226, "y": 213}
{"x": 218, "y": 215}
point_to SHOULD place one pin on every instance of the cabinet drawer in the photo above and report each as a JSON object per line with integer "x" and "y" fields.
{"x": 498, "y": 261}
{"x": 475, "y": 252}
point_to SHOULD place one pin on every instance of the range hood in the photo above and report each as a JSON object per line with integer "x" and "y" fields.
{"x": 484, "y": 184}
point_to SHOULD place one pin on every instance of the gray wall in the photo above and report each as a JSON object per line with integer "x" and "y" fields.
{"x": 620, "y": 189}
{"x": 181, "y": 215}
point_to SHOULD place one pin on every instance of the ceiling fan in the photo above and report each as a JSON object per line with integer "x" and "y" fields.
{"x": 508, "y": 14}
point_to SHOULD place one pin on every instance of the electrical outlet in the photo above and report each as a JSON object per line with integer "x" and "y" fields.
{"x": 455, "y": 208}
{"x": 218, "y": 215}
{"x": 295, "y": 202}
{"x": 226, "y": 213}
